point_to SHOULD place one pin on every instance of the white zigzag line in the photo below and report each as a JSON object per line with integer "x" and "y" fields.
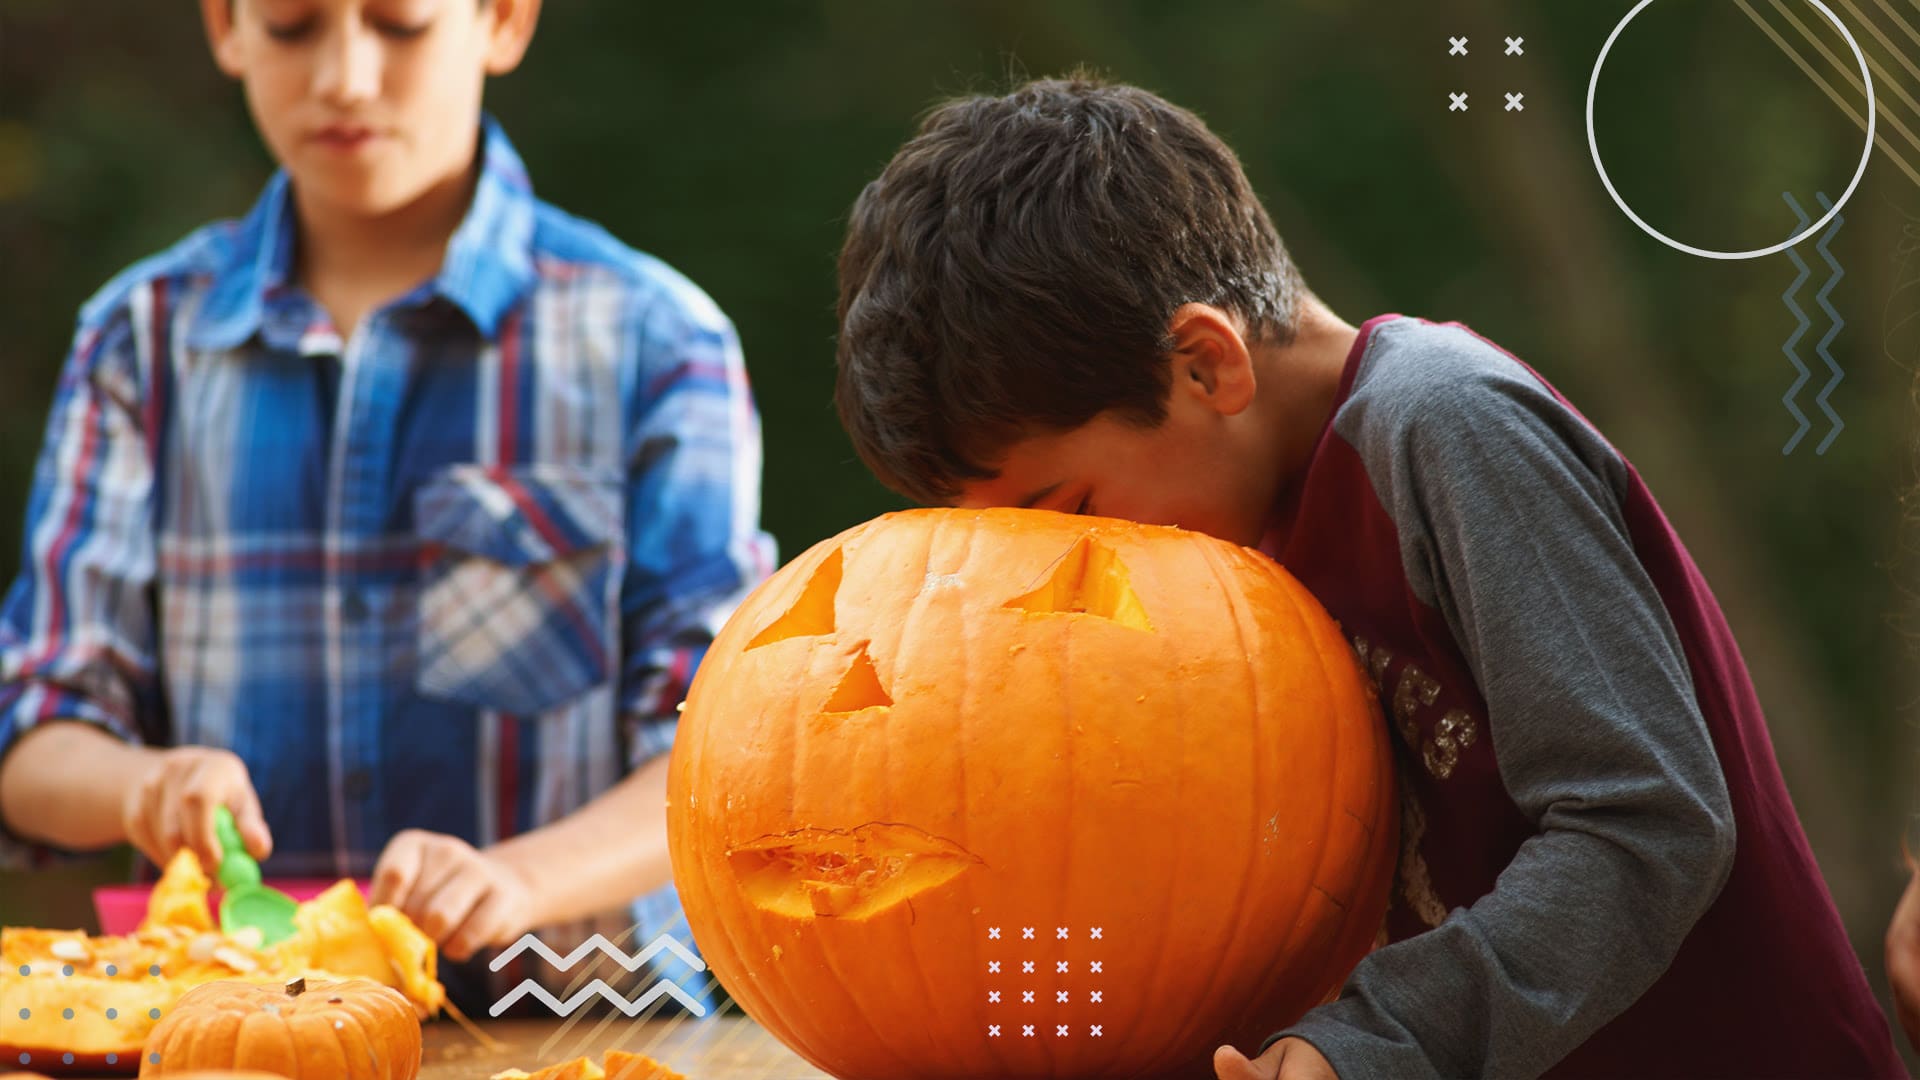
{"x": 663, "y": 943}
{"x": 663, "y": 988}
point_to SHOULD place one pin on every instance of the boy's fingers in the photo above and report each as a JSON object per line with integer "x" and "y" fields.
{"x": 453, "y": 907}
{"x": 197, "y": 816}
{"x": 133, "y": 815}
{"x": 252, "y": 823}
{"x": 393, "y": 874}
{"x": 479, "y": 930}
{"x": 440, "y": 869}
{"x": 162, "y": 825}
{"x": 1231, "y": 1064}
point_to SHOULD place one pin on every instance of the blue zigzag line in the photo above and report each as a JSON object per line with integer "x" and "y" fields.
{"x": 1834, "y": 331}
{"x": 1793, "y": 339}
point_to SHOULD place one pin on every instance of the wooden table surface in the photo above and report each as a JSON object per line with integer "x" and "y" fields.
{"x": 727, "y": 1047}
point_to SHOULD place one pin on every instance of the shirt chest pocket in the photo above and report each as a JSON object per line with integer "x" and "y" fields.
{"x": 519, "y": 604}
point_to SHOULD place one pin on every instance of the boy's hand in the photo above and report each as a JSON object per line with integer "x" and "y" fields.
{"x": 461, "y": 897}
{"x": 172, "y": 806}
{"x": 1288, "y": 1059}
{"x": 1903, "y": 959}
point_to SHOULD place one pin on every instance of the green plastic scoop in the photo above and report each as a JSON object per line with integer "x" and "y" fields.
{"x": 248, "y": 903}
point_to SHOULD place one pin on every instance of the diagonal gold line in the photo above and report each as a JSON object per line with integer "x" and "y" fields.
{"x": 1886, "y": 80}
{"x": 1795, "y": 56}
{"x": 1799, "y": 61}
{"x": 1847, "y": 69}
{"x": 1897, "y": 20}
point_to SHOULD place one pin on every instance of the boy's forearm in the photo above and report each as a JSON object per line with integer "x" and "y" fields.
{"x": 64, "y": 783}
{"x": 600, "y": 856}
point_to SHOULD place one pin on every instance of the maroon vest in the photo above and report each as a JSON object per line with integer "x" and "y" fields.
{"x": 1767, "y": 983}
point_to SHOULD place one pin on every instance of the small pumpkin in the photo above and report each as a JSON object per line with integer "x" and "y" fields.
{"x": 353, "y": 1029}
{"x": 1014, "y": 793}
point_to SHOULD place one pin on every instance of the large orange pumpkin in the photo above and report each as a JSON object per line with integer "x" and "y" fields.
{"x": 353, "y": 1029}
{"x": 1021, "y": 794}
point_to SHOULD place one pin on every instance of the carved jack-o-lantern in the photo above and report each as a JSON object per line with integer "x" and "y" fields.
{"x": 1014, "y": 793}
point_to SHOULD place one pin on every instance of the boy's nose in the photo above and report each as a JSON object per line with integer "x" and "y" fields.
{"x": 349, "y": 69}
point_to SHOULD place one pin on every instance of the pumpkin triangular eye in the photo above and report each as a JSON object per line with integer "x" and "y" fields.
{"x": 859, "y": 688}
{"x": 1089, "y": 580}
{"x": 810, "y": 615}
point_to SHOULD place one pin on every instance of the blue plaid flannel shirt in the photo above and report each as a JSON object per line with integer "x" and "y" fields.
{"x": 452, "y": 573}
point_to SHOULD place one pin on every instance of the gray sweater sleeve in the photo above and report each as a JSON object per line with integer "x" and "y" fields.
{"x": 1510, "y": 524}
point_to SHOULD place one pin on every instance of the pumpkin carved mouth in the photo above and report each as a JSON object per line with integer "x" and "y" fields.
{"x": 846, "y": 874}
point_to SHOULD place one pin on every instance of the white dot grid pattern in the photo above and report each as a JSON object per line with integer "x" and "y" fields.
{"x": 66, "y": 970}
{"x": 1060, "y": 933}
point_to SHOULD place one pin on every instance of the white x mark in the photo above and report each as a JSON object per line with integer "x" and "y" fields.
{"x": 1026, "y": 1029}
{"x": 1027, "y": 967}
{"x": 1513, "y": 46}
{"x": 1060, "y": 933}
{"x": 1457, "y": 46}
{"x": 1060, "y": 965}
{"x": 1096, "y": 933}
{"x": 1459, "y": 102}
{"x": 993, "y": 1030}
{"x": 1060, "y": 1029}
{"x": 993, "y": 966}
{"x": 1026, "y": 995}
{"x": 1096, "y": 1031}
{"x": 993, "y": 995}
{"x": 1096, "y": 995}
{"x": 1027, "y": 933}
{"x": 1096, "y": 967}
{"x": 1060, "y": 995}
{"x": 993, "y": 932}
{"x": 1513, "y": 103}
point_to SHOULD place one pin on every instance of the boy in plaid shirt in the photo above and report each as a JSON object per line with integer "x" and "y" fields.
{"x": 394, "y": 516}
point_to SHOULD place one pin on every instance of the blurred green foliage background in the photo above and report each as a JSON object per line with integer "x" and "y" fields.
{"x": 730, "y": 138}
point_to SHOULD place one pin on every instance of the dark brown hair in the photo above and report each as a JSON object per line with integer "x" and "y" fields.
{"x": 1013, "y": 269}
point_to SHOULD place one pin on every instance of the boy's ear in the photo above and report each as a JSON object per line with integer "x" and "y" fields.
{"x": 218, "y": 17}
{"x": 510, "y": 33}
{"x": 1210, "y": 358}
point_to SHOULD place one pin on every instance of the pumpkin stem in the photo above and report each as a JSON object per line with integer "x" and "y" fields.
{"x": 297, "y": 987}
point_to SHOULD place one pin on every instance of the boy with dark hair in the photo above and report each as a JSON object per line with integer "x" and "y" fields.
{"x": 393, "y": 517}
{"x": 1068, "y": 297}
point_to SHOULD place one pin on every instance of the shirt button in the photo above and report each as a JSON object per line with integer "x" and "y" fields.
{"x": 357, "y": 784}
{"x": 354, "y": 606}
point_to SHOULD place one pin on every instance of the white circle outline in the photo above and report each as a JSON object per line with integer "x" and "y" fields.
{"x": 1866, "y": 154}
